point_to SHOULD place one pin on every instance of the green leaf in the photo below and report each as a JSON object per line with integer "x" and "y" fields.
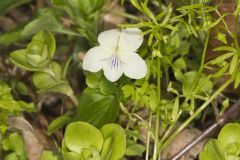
{"x": 180, "y": 64}
{"x": 59, "y": 87}
{"x": 225, "y": 48}
{"x": 234, "y": 63}
{"x": 22, "y": 88}
{"x": 237, "y": 80}
{"x": 15, "y": 143}
{"x": 50, "y": 80}
{"x": 175, "y": 109}
{"x": 81, "y": 8}
{"x": 44, "y": 39}
{"x": 48, "y": 155}
{"x": 135, "y": 150}
{"x": 114, "y": 142}
{"x": 93, "y": 79}
{"x": 226, "y": 147}
{"x": 183, "y": 48}
{"x": 58, "y": 123}
{"x": 221, "y": 37}
{"x": 221, "y": 58}
{"x": 229, "y": 135}
{"x": 18, "y": 58}
{"x": 49, "y": 77}
{"x": 6, "y": 5}
{"x": 10, "y": 37}
{"x": 80, "y": 135}
{"x": 46, "y": 22}
{"x": 9, "y": 105}
{"x": 96, "y": 108}
{"x": 71, "y": 156}
{"x": 11, "y": 156}
{"x": 107, "y": 87}
{"x": 29, "y": 107}
{"x": 212, "y": 151}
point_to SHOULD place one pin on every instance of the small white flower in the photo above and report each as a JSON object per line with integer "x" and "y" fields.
{"x": 116, "y": 54}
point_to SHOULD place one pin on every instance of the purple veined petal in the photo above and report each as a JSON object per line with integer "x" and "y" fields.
{"x": 133, "y": 65}
{"x": 113, "y": 69}
{"x": 130, "y": 39}
{"x": 109, "y": 39}
{"x": 95, "y": 59}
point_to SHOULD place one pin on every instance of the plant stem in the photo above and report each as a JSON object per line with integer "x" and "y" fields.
{"x": 235, "y": 35}
{"x": 148, "y": 136}
{"x": 204, "y": 53}
{"x": 74, "y": 99}
{"x": 198, "y": 111}
{"x": 155, "y": 151}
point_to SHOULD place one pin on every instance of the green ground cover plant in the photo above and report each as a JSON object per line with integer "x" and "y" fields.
{"x": 79, "y": 89}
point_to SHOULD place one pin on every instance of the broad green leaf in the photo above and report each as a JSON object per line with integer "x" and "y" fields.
{"x": 44, "y": 38}
{"x": 114, "y": 142}
{"x": 71, "y": 156}
{"x": 212, "y": 151}
{"x": 22, "y": 88}
{"x": 48, "y": 155}
{"x": 50, "y": 80}
{"x": 11, "y": 156}
{"x": 18, "y": 58}
{"x": 29, "y": 107}
{"x": 183, "y": 48}
{"x": 93, "y": 79}
{"x": 58, "y": 123}
{"x": 135, "y": 150}
{"x": 11, "y": 37}
{"x": 107, "y": 87}
{"x": 226, "y": 147}
{"x": 46, "y": 22}
{"x": 9, "y": 105}
{"x": 180, "y": 64}
{"x": 59, "y": 87}
{"x": 80, "y": 135}
{"x": 229, "y": 135}
{"x": 96, "y": 108}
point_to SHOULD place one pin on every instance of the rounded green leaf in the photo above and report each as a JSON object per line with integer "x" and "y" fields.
{"x": 96, "y": 108}
{"x": 80, "y": 135}
{"x": 230, "y": 136}
{"x": 18, "y": 58}
{"x": 114, "y": 142}
{"x": 71, "y": 156}
{"x": 212, "y": 151}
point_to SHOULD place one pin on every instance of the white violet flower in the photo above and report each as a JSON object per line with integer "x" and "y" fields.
{"x": 116, "y": 54}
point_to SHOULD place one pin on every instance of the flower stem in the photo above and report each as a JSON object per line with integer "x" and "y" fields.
{"x": 235, "y": 34}
{"x": 74, "y": 99}
{"x": 155, "y": 151}
{"x": 198, "y": 111}
{"x": 148, "y": 136}
{"x": 204, "y": 53}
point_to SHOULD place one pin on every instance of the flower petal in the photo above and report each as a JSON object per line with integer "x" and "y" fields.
{"x": 133, "y": 65}
{"x": 95, "y": 59}
{"x": 109, "y": 39}
{"x": 113, "y": 69}
{"x": 130, "y": 39}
